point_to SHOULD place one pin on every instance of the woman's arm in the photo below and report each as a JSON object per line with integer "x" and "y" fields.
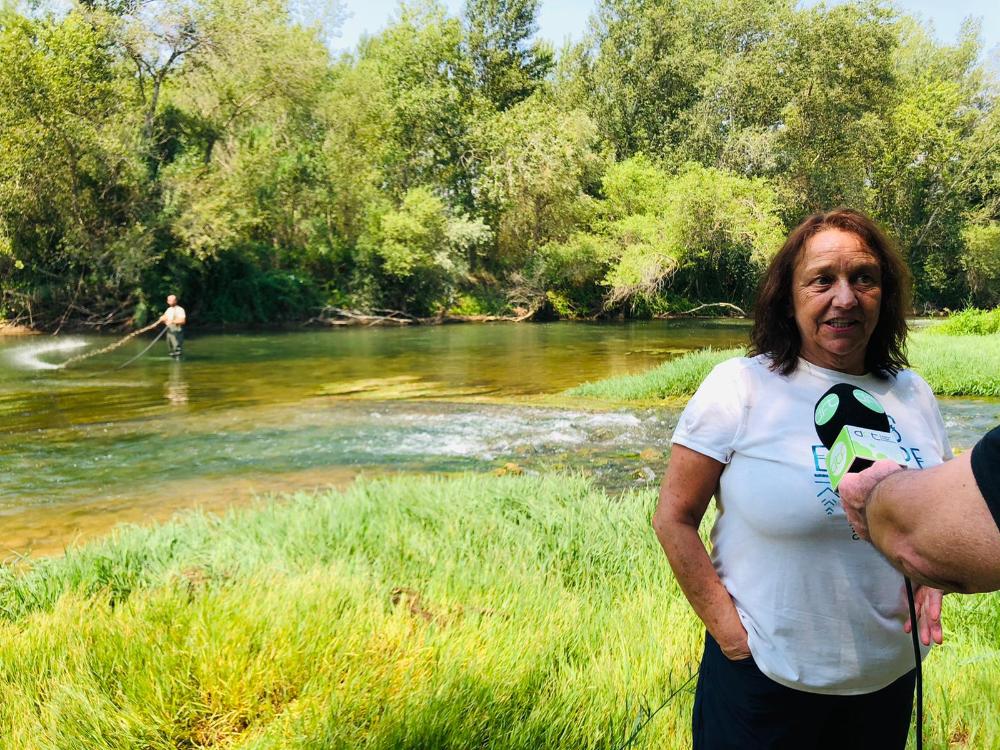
{"x": 687, "y": 488}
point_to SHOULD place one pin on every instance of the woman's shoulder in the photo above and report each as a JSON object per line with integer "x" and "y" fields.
{"x": 742, "y": 367}
{"x": 739, "y": 364}
{"x": 907, "y": 383}
{"x": 739, "y": 375}
{"x": 732, "y": 368}
{"x": 909, "y": 379}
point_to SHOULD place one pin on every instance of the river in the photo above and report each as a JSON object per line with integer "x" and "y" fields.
{"x": 246, "y": 415}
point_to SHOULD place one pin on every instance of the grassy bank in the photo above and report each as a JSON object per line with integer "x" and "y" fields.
{"x": 971, "y": 322}
{"x": 952, "y": 365}
{"x": 471, "y": 612}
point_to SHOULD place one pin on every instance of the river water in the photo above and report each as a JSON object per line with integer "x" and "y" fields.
{"x": 244, "y": 415}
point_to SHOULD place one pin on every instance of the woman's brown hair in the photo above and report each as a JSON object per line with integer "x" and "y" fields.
{"x": 775, "y": 332}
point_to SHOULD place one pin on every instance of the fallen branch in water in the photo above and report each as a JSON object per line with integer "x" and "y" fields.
{"x": 693, "y": 310}
{"x": 338, "y": 316}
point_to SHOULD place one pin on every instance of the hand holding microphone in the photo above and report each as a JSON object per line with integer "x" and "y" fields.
{"x": 861, "y": 451}
{"x": 855, "y": 489}
{"x": 853, "y": 426}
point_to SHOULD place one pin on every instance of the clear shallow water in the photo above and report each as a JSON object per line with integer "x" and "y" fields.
{"x": 85, "y": 447}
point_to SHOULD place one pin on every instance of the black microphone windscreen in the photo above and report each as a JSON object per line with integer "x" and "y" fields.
{"x": 846, "y": 404}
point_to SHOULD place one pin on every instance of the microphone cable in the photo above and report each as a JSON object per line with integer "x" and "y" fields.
{"x": 916, "y": 656}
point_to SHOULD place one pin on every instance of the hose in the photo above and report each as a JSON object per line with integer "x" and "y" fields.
{"x": 87, "y": 355}
{"x": 158, "y": 337}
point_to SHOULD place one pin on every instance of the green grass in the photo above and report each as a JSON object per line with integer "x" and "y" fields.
{"x": 675, "y": 377}
{"x": 532, "y": 613}
{"x": 957, "y": 365}
{"x": 952, "y": 365}
{"x": 528, "y": 612}
{"x": 970, "y": 322}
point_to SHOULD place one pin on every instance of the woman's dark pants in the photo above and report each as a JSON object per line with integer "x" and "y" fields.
{"x": 736, "y": 706}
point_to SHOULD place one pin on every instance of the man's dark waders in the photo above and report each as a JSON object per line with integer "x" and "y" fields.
{"x": 175, "y": 339}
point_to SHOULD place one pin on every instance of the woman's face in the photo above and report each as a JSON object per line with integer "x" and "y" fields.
{"x": 836, "y": 297}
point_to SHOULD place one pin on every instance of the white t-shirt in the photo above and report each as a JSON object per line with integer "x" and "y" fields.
{"x": 175, "y": 315}
{"x": 824, "y": 611}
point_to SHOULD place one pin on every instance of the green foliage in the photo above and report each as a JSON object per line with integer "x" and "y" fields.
{"x": 507, "y": 65}
{"x": 635, "y": 186}
{"x": 933, "y": 163}
{"x": 659, "y": 160}
{"x": 414, "y": 236}
{"x": 645, "y": 73}
{"x": 970, "y": 322}
{"x": 418, "y": 252}
{"x": 537, "y": 166}
{"x": 572, "y": 272}
{"x": 480, "y": 300}
{"x": 235, "y": 290}
{"x": 981, "y": 261}
{"x": 702, "y": 231}
{"x": 429, "y": 100}
{"x": 74, "y": 218}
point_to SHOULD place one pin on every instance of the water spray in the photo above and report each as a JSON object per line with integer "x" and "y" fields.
{"x": 28, "y": 357}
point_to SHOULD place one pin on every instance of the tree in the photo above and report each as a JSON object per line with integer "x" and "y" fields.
{"x": 427, "y": 81}
{"x": 704, "y": 233}
{"x": 246, "y": 104}
{"x": 508, "y": 67}
{"x": 74, "y": 208}
{"x": 537, "y": 167}
{"x": 841, "y": 85}
{"x": 934, "y": 161}
{"x": 415, "y": 253}
{"x": 981, "y": 262}
{"x": 642, "y": 73}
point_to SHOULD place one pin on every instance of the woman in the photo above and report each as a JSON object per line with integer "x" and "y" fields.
{"x": 805, "y": 643}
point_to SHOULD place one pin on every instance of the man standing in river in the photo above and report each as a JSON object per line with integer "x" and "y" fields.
{"x": 174, "y": 318}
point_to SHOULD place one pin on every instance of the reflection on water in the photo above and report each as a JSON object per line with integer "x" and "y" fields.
{"x": 176, "y": 389}
{"x": 90, "y": 445}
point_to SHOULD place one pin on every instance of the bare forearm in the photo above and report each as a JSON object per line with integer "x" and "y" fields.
{"x": 934, "y": 526}
{"x": 892, "y": 531}
{"x": 701, "y": 585}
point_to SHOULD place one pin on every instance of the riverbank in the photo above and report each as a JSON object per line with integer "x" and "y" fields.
{"x": 334, "y": 318}
{"x": 509, "y": 612}
{"x": 13, "y": 329}
{"x": 952, "y": 366}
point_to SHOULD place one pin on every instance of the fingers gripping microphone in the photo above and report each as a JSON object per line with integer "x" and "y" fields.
{"x": 854, "y": 427}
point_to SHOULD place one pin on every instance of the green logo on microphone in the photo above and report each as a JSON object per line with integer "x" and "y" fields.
{"x": 836, "y": 462}
{"x": 826, "y": 408}
{"x": 868, "y": 400}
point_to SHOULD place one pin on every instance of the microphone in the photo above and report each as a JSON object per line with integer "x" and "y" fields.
{"x": 853, "y": 426}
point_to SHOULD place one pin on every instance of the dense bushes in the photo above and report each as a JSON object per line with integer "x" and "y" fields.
{"x": 657, "y": 164}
